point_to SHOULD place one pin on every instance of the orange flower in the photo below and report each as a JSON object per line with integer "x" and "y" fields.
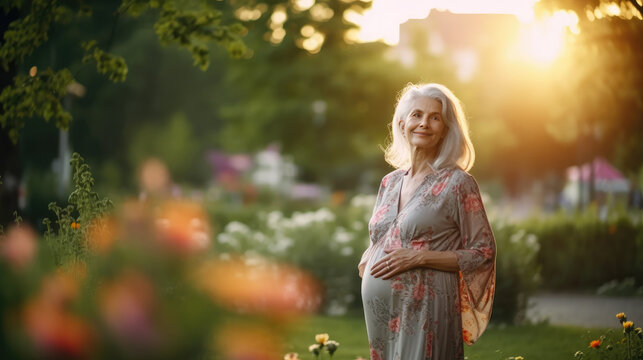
{"x": 595, "y": 344}
{"x": 74, "y": 225}
{"x": 33, "y": 71}
{"x": 183, "y": 226}
{"x": 628, "y": 325}
{"x": 621, "y": 316}
{"x": 276, "y": 290}
{"x": 101, "y": 234}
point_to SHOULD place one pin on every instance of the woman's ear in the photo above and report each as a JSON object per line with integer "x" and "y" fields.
{"x": 401, "y": 124}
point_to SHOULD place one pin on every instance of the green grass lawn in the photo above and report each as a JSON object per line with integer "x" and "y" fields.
{"x": 498, "y": 342}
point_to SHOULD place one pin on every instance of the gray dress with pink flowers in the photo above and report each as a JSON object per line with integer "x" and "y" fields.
{"x": 425, "y": 313}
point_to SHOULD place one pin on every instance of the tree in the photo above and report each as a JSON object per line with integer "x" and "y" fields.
{"x": 28, "y": 92}
{"x": 603, "y": 83}
{"x": 327, "y": 102}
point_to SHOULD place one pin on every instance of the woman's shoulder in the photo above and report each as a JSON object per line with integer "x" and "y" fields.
{"x": 392, "y": 177}
{"x": 462, "y": 177}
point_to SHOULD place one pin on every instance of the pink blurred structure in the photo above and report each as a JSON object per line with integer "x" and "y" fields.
{"x": 606, "y": 177}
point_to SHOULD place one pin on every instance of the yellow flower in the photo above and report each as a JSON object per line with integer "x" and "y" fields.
{"x": 291, "y": 356}
{"x": 519, "y": 358}
{"x": 628, "y": 325}
{"x": 321, "y": 338}
{"x": 620, "y": 316}
{"x": 33, "y": 71}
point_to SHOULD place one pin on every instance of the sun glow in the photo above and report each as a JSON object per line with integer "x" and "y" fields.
{"x": 541, "y": 40}
{"x": 382, "y": 20}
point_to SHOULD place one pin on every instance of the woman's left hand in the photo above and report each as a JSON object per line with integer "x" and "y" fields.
{"x": 397, "y": 261}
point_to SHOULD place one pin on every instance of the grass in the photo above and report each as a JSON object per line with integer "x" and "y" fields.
{"x": 498, "y": 342}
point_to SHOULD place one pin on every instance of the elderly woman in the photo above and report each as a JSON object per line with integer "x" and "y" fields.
{"x": 428, "y": 276}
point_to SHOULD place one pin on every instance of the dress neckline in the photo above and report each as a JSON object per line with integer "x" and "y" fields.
{"x": 413, "y": 195}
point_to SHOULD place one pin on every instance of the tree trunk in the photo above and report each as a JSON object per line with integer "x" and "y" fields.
{"x": 10, "y": 169}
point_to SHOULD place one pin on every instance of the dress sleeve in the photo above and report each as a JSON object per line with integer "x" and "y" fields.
{"x": 476, "y": 258}
{"x": 370, "y": 250}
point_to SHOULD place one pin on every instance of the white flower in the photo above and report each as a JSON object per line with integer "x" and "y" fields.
{"x": 273, "y": 219}
{"x": 235, "y": 226}
{"x": 532, "y": 242}
{"x": 224, "y": 238}
{"x": 342, "y": 236}
{"x": 363, "y": 201}
{"x": 324, "y": 215}
{"x": 516, "y": 237}
{"x": 259, "y": 237}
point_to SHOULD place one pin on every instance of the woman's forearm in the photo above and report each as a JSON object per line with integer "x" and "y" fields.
{"x": 438, "y": 260}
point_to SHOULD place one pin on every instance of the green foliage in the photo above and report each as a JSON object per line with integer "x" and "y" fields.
{"x": 67, "y": 238}
{"x": 30, "y": 31}
{"x": 517, "y": 271}
{"x": 172, "y": 142}
{"x": 38, "y": 95}
{"x": 191, "y": 29}
{"x": 106, "y": 63}
{"x": 582, "y": 251}
{"x": 194, "y": 29}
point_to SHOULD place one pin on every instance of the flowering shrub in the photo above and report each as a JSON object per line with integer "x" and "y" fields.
{"x": 66, "y": 235}
{"x": 326, "y": 243}
{"x": 141, "y": 281}
{"x": 517, "y": 271}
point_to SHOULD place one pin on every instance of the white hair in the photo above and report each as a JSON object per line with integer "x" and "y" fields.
{"x": 456, "y": 147}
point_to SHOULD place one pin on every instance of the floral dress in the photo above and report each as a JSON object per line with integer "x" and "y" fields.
{"x": 425, "y": 313}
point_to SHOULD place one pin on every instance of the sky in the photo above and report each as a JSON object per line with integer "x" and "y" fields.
{"x": 382, "y": 20}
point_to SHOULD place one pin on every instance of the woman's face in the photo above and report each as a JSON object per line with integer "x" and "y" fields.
{"x": 424, "y": 127}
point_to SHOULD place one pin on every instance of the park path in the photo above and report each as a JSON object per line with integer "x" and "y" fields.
{"x": 584, "y": 310}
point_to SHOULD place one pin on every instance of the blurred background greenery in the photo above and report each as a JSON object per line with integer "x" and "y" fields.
{"x": 271, "y": 115}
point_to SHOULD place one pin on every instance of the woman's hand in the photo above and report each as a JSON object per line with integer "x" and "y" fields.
{"x": 400, "y": 260}
{"x": 397, "y": 261}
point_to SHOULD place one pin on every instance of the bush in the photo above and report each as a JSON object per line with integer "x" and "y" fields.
{"x": 517, "y": 271}
{"x": 581, "y": 251}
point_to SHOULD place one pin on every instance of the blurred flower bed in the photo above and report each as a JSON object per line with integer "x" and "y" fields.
{"x": 140, "y": 281}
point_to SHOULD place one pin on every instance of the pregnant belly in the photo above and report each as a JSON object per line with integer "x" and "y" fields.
{"x": 375, "y": 288}
{"x": 440, "y": 286}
